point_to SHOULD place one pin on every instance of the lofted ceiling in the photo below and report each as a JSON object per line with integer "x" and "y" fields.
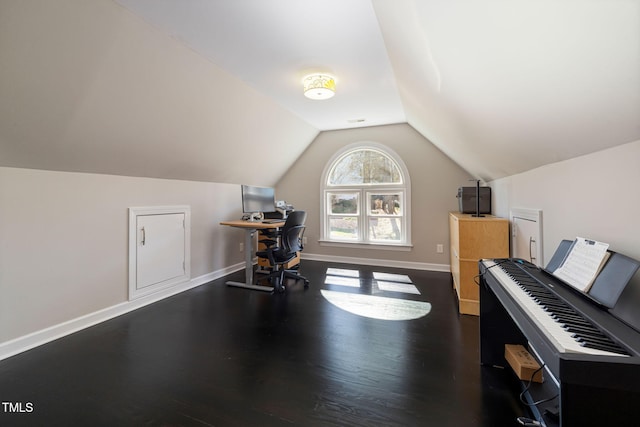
{"x": 186, "y": 88}
{"x": 499, "y": 86}
{"x": 271, "y": 45}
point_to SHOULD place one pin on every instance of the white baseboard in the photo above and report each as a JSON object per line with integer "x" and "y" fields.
{"x": 27, "y": 342}
{"x": 35, "y": 339}
{"x": 385, "y": 262}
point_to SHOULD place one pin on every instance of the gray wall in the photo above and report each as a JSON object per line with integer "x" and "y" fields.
{"x": 434, "y": 179}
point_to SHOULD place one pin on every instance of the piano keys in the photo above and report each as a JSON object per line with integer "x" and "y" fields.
{"x": 564, "y": 326}
{"x": 590, "y": 347}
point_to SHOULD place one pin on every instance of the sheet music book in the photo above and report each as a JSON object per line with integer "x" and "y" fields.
{"x": 583, "y": 263}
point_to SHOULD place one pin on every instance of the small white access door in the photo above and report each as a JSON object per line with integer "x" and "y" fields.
{"x": 526, "y": 235}
{"x": 159, "y": 244}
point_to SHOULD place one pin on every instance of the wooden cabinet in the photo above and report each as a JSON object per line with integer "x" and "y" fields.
{"x": 471, "y": 239}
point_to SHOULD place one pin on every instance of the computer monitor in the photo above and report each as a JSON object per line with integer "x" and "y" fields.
{"x": 258, "y": 199}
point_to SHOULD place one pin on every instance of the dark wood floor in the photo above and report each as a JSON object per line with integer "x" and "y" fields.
{"x": 222, "y": 356}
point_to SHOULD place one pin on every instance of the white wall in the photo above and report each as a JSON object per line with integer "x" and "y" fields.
{"x": 64, "y": 235}
{"x": 594, "y": 196}
{"x": 86, "y": 86}
{"x": 64, "y": 240}
{"x": 94, "y": 92}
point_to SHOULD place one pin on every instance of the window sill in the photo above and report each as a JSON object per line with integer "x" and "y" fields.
{"x": 405, "y": 247}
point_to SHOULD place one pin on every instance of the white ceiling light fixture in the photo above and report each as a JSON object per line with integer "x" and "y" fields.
{"x": 319, "y": 86}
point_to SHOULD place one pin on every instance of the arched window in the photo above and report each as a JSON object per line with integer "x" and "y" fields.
{"x": 365, "y": 197}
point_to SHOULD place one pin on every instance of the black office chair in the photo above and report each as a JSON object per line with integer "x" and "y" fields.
{"x": 269, "y": 236}
{"x": 290, "y": 245}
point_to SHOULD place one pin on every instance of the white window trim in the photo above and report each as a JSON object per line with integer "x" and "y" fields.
{"x": 401, "y": 247}
{"x": 324, "y": 188}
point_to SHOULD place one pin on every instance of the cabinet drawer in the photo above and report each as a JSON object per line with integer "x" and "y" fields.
{"x": 468, "y": 287}
{"x": 483, "y": 239}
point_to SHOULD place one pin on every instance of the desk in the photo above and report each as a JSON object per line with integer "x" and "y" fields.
{"x": 250, "y": 227}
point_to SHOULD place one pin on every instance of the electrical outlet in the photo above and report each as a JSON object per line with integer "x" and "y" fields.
{"x": 440, "y": 248}
{"x": 304, "y": 240}
{"x": 241, "y": 247}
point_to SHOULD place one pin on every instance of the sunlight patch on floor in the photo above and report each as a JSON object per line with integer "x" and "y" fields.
{"x": 377, "y": 307}
{"x": 342, "y": 281}
{"x": 405, "y": 288}
{"x": 391, "y": 277}
{"x": 342, "y": 272}
{"x": 386, "y": 282}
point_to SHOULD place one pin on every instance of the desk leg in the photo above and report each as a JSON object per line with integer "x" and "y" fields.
{"x": 248, "y": 260}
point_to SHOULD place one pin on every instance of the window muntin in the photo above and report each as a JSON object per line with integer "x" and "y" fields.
{"x": 344, "y": 203}
{"x": 389, "y": 203}
{"x": 344, "y": 215}
{"x": 364, "y": 166}
{"x": 366, "y": 197}
{"x": 385, "y": 216}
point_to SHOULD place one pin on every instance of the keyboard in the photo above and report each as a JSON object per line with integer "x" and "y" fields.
{"x": 566, "y": 329}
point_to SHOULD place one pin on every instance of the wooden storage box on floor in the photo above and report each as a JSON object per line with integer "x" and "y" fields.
{"x": 522, "y": 363}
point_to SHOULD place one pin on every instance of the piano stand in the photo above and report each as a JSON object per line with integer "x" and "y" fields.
{"x": 592, "y": 390}
{"x": 497, "y": 328}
